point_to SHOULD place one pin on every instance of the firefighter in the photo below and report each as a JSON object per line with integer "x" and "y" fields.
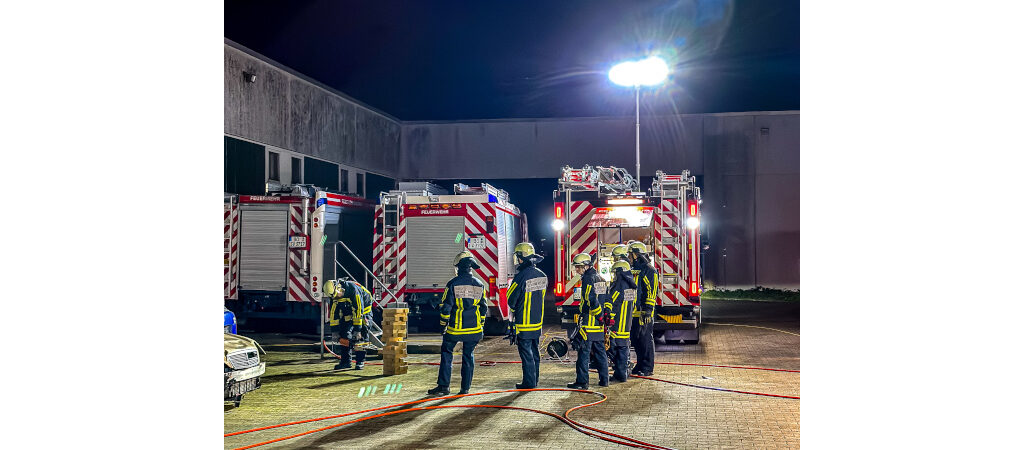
{"x": 620, "y": 253}
{"x": 620, "y": 304}
{"x": 463, "y": 310}
{"x": 642, "y": 331}
{"x": 526, "y": 306}
{"x": 350, "y": 313}
{"x": 591, "y": 332}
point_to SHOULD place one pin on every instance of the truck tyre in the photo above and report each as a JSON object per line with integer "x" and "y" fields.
{"x": 495, "y": 327}
{"x": 693, "y": 341}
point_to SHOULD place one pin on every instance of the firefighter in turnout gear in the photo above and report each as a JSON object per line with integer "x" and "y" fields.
{"x": 349, "y": 315}
{"x": 463, "y": 310}
{"x": 642, "y": 332}
{"x": 526, "y": 306}
{"x": 591, "y": 331}
{"x": 621, "y": 303}
{"x": 620, "y": 253}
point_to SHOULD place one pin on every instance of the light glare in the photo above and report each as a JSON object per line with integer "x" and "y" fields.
{"x": 692, "y": 223}
{"x": 646, "y": 72}
{"x": 558, "y": 225}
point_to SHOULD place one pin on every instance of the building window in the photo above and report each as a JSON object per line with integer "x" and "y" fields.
{"x": 343, "y": 181}
{"x": 296, "y": 170}
{"x": 359, "y": 184}
{"x": 274, "y": 166}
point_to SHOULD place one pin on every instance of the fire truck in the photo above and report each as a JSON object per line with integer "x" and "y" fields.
{"x": 418, "y": 230}
{"x": 597, "y": 208}
{"x": 278, "y": 249}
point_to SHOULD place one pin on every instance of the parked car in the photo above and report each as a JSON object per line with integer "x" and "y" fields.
{"x": 242, "y": 367}
{"x": 230, "y": 324}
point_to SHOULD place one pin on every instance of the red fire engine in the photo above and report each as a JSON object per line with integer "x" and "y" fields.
{"x": 597, "y": 208}
{"x": 418, "y": 230}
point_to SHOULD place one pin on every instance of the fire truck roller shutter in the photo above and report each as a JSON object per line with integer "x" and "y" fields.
{"x": 431, "y": 243}
{"x": 264, "y": 247}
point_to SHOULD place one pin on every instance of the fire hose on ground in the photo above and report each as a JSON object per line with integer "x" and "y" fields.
{"x": 575, "y": 425}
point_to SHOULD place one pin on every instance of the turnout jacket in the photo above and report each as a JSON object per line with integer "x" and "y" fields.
{"x": 352, "y": 308}
{"x": 621, "y": 303}
{"x": 647, "y": 286}
{"x": 463, "y": 307}
{"x": 526, "y": 299}
{"x": 593, "y": 291}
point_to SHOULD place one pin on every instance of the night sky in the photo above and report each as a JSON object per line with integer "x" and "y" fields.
{"x": 460, "y": 60}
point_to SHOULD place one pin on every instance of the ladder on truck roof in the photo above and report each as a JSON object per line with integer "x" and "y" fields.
{"x": 604, "y": 180}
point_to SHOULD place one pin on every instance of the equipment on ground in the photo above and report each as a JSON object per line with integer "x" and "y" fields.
{"x": 598, "y": 210}
{"x": 416, "y": 226}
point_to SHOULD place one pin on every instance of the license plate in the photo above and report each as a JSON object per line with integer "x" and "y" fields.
{"x": 477, "y": 243}
{"x": 243, "y": 386}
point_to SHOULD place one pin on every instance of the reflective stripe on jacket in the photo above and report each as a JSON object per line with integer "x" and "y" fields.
{"x": 462, "y": 305}
{"x": 526, "y": 299}
{"x": 594, "y": 289}
{"x": 647, "y": 288}
{"x": 621, "y": 304}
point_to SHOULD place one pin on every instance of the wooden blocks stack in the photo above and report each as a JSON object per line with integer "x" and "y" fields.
{"x": 396, "y": 330}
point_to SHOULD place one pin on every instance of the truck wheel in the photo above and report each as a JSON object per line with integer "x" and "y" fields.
{"x": 495, "y": 327}
{"x": 694, "y": 341}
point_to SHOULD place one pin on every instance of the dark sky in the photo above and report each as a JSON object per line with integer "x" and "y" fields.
{"x": 452, "y": 60}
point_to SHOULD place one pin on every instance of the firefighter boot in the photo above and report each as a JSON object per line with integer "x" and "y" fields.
{"x": 577, "y": 386}
{"x": 440, "y": 390}
{"x": 360, "y": 357}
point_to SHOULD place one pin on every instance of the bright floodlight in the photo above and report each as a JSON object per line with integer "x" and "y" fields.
{"x": 646, "y": 72}
{"x": 692, "y": 223}
{"x": 558, "y": 225}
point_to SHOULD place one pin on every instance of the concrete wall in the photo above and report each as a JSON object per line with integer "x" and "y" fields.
{"x": 287, "y": 110}
{"x": 750, "y": 163}
{"x": 539, "y": 148}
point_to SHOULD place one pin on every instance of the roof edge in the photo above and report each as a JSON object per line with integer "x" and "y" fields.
{"x": 303, "y": 77}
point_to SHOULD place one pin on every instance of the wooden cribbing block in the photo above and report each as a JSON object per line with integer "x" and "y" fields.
{"x": 396, "y": 311}
{"x": 396, "y": 320}
{"x": 398, "y": 334}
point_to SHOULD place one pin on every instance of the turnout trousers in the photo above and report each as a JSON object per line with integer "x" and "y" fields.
{"x": 620, "y": 359}
{"x": 345, "y": 331}
{"x": 529, "y": 353}
{"x": 444, "y": 374}
{"x": 642, "y": 339}
{"x": 588, "y": 347}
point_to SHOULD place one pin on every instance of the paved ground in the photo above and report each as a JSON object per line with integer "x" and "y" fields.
{"x": 298, "y": 385}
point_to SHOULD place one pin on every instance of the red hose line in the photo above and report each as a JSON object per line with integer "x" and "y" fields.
{"x": 572, "y": 423}
{"x": 715, "y": 388}
{"x": 728, "y": 367}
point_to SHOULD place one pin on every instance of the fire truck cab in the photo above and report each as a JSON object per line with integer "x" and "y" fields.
{"x": 597, "y": 208}
{"x": 418, "y": 230}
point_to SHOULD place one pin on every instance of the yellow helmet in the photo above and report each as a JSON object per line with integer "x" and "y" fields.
{"x": 462, "y": 255}
{"x": 620, "y": 252}
{"x": 638, "y": 247}
{"x": 524, "y": 249}
{"x": 582, "y": 259}
{"x": 622, "y": 265}
{"x": 331, "y": 287}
